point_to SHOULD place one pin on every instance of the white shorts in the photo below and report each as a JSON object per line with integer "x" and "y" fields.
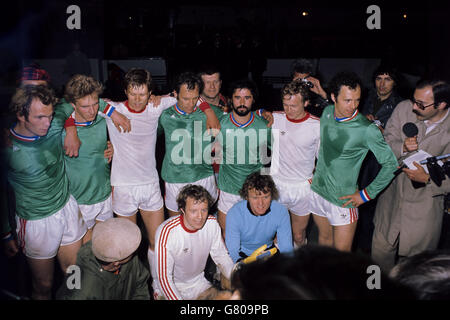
{"x": 126, "y": 200}
{"x": 101, "y": 211}
{"x": 227, "y": 200}
{"x": 337, "y": 216}
{"x": 295, "y": 197}
{"x": 172, "y": 190}
{"x": 41, "y": 239}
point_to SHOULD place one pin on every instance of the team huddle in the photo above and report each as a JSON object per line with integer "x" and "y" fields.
{"x": 82, "y": 166}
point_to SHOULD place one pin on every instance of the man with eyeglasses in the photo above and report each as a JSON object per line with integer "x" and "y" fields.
{"x": 408, "y": 220}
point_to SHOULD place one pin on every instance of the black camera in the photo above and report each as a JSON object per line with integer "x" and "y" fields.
{"x": 307, "y": 83}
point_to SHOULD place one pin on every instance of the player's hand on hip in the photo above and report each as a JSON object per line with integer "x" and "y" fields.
{"x": 354, "y": 200}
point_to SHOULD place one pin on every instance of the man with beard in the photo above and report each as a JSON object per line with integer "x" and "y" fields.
{"x": 408, "y": 220}
{"x": 244, "y": 139}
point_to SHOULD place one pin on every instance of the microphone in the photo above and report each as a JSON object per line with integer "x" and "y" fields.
{"x": 410, "y": 129}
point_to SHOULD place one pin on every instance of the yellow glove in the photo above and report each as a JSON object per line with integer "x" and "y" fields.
{"x": 260, "y": 253}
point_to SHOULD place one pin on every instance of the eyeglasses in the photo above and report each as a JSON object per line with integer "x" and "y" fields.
{"x": 420, "y": 104}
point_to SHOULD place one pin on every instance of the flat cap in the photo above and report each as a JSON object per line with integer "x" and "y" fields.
{"x": 115, "y": 239}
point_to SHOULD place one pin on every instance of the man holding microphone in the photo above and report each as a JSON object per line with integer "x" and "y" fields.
{"x": 407, "y": 218}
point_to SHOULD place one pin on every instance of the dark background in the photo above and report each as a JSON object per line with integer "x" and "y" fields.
{"x": 188, "y": 33}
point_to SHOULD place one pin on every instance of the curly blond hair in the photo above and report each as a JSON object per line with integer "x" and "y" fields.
{"x": 80, "y": 86}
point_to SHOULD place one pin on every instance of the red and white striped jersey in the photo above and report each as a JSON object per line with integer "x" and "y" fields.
{"x": 181, "y": 256}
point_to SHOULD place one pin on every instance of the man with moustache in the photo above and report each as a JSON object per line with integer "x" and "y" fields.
{"x": 243, "y": 141}
{"x": 345, "y": 138}
{"x": 183, "y": 244}
{"x": 408, "y": 220}
{"x": 378, "y": 107}
{"x": 382, "y": 101}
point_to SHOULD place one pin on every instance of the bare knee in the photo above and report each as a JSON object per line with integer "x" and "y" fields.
{"x": 299, "y": 237}
{"x": 42, "y": 289}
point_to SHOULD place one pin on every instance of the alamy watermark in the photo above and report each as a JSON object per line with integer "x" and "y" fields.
{"x": 231, "y": 146}
{"x": 74, "y": 20}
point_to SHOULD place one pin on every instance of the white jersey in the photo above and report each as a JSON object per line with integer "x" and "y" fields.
{"x": 134, "y": 160}
{"x": 298, "y": 146}
{"x": 181, "y": 256}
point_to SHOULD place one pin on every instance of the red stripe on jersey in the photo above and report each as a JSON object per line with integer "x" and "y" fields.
{"x": 162, "y": 258}
{"x": 131, "y": 110}
{"x": 299, "y": 120}
{"x": 184, "y": 226}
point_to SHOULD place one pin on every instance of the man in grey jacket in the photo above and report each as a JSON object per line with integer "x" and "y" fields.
{"x": 409, "y": 219}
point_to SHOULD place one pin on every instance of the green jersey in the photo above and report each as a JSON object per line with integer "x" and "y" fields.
{"x": 89, "y": 173}
{"x": 343, "y": 147}
{"x": 188, "y": 147}
{"x": 244, "y": 149}
{"x": 36, "y": 170}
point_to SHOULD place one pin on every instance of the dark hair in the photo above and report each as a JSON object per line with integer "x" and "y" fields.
{"x": 296, "y": 87}
{"x": 195, "y": 192}
{"x": 208, "y": 70}
{"x": 136, "y": 77}
{"x": 259, "y": 182}
{"x": 244, "y": 84}
{"x": 191, "y": 80}
{"x": 24, "y": 96}
{"x": 441, "y": 90}
{"x": 80, "y": 86}
{"x": 348, "y": 79}
{"x": 427, "y": 274}
{"x": 314, "y": 272}
{"x": 386, "y": 69}
{"x": 302, "y": 66}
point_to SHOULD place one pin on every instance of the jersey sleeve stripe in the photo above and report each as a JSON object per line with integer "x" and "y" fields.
{"x": 162, "y": 258}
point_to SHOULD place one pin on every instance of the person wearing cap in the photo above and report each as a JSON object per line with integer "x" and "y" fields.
{"x": 35, "y": 75}
{"x": 183, "y": 244}
{"x": 110, "y": 269}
